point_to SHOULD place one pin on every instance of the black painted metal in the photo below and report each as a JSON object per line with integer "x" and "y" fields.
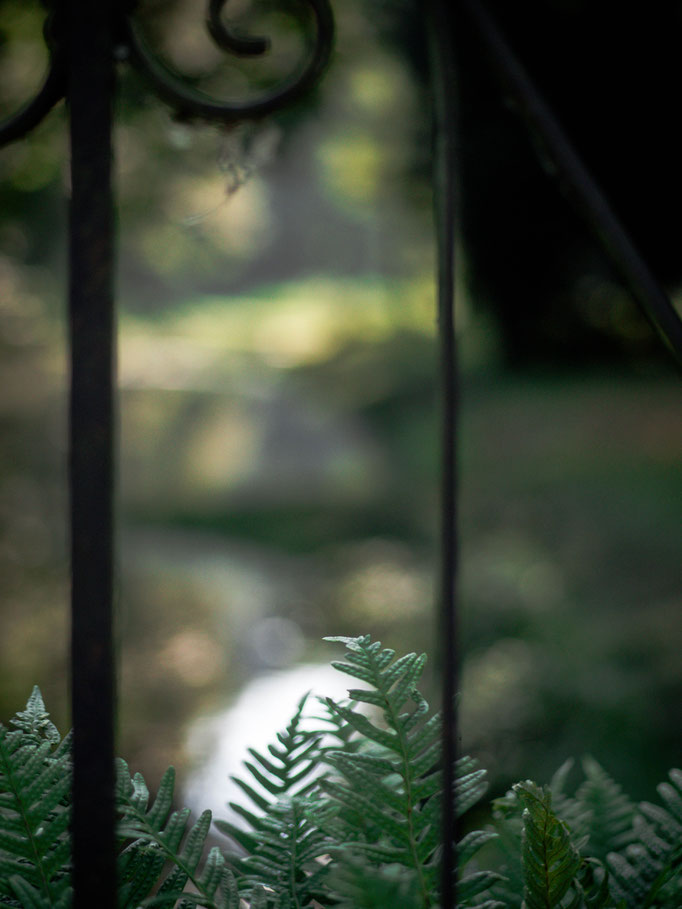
{"x": 444, "y": 194}
{"x": 242, "y": 45}
{"x": 92, "y": 445}
{"x": 51, "y": 91}
{"x": 575, "y": 177}
{"x": 191, "y": 104}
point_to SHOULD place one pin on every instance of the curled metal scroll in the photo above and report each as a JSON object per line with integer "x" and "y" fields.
{"x": 192, "y": 104}
{"x": 189, "y": 103}
{"x": 52, "y": 90}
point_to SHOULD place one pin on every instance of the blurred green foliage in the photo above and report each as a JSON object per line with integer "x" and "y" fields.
{"x": 279, "y": 429}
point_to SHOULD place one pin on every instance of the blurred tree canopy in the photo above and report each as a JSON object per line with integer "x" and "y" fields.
{"x": 608, "y": 71}
{"x": 277, "y": 363}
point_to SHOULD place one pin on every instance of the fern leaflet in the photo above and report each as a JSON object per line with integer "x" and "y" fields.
{"x": 550, "y": 859}
{"x": 157, "y": 835}
{"x": 283, "y": 843}
{"x": 35, "y": 779}
{"x": 389, "y": 793}
{"x": 649, "y": 871}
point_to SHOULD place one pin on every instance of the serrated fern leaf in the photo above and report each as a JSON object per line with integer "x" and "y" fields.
{"x": 550, "y": 860}
{"x": 35, "y": 782}
{"x": 607, "y": 813}
{"x": 592, "y": 885}
{"x": 160, "y": 835}
{"x": 390, "y": 789}
{"x": 286, "y": 858}
{"x": 34, "y": 722}
{"x": 364, "y": 886}
{"x": 649, "y": 871}
{"x": 283, "y": 843}
{"x": 139, "y": 867}
{"x": 508, "y": 826}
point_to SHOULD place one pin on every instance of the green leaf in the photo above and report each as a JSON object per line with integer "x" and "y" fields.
{"x": 550, "y": 860}
{"x": 35, "y": 775}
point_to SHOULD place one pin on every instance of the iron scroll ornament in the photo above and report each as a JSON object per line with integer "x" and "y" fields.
{"x": 188, "y": 102}
{"x": 192, "y": 104}
{"x": 51, "y": 91}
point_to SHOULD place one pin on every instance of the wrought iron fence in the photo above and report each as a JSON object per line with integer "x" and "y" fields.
{"x": 85, "y": 42}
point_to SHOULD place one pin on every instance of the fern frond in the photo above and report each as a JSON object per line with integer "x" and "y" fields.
{"x": 597, "y": 819}
{"x": 649, "y": 871}
{"x": 35, "y": 721}
{"x": 160, "y": 835}
{"x": 607, "y": 812}
{"x": 508, "y": 826}
{"x": 550, "y": 860}
{"x": 389, "y": 792}
{"x": 291, "y": 761}
{"x": 286, "y": 858}
{"x": 35, "y": 780}
{"x": 592, "y": 885}
{"x": 331, "y": 726}
{"x": 139, "y": 867}
{"x": 364, "y": 886}
{"x": 283, "y": 842}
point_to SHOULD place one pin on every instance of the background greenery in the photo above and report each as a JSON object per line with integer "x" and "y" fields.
{"x": 279, "y": 464}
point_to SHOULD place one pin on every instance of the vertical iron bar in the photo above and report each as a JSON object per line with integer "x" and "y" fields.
{"x": 91, "y": 459}
{"x": 444, "y": 147}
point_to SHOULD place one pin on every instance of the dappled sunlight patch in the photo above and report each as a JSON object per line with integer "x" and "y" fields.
{"x": 147, "y": 360}
{"x": 352, "y": 165}
{"x": 222, "y": 450}
{"x": 381, "y": 86}
{"x": 288, "y": 325}
{"x": 23, "y": 314}
{"x": 192, "y": 655}
{"x": 383, "y": 582}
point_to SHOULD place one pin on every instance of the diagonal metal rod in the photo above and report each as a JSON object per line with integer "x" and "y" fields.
{"x": 586, "y": 192}
{"x": 444, "y": 204}
{"x": 89, "y": 28}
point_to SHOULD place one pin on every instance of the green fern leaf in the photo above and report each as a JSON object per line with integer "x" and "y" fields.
{"x": 472, "y": 842}
{"x": 366, "y": 728}
{"x": 156, "y": 832}
{"x": 593, "y": 885}
{"x": 34, "y": 722}
{"x": 284, "y": 842}
{"x": 139, "y": 867}
{"x": 649, "y": 871}
{"x": 389, "y": 789}
{"x": 34, "y": 809}
{"x": 550, "y": 860}
{"x": 472, "y": 885}
{"x": 29, "y": 897}
{"x": 608, "y": 813}
{"x": 363, "y": 886}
